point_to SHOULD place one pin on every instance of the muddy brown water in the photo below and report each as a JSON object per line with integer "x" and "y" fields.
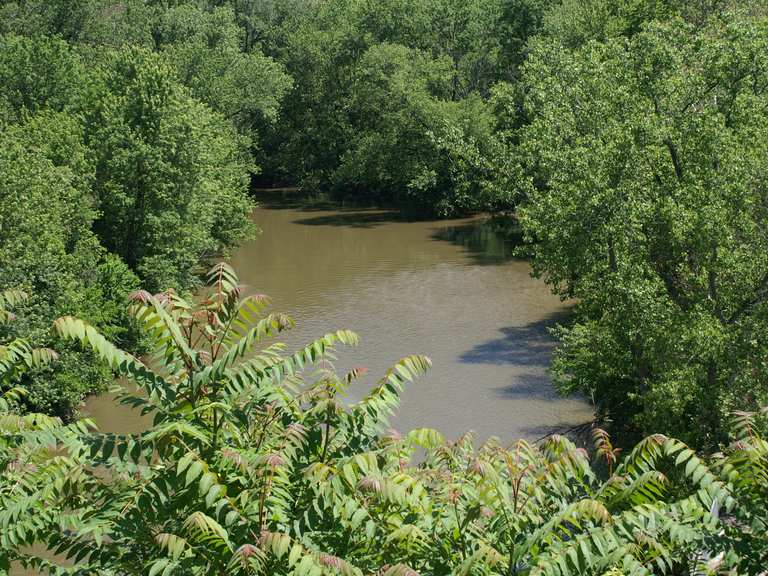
{"x": 449, "y": 289}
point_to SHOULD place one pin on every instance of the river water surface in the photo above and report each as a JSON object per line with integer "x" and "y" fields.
{"x": 449, "y": 289}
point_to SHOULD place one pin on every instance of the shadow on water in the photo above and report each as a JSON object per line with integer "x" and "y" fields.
{"x": 356, "y": 219}
{"x": 493, "y": 240}
{"x": 291, "y": 199}
{"x": 527, "y": 350}
{"x": 337, "y": 213}
{"x": 489, "y": 241}
{"x": 537, "y": 386}
{"x": 526, "y": 346}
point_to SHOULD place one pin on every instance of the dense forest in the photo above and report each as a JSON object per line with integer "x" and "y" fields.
{"x": 627, "y": 139}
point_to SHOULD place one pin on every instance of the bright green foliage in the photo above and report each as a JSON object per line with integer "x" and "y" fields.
{"x": 17, "y": 357}
{"x": 743, "y": 541}
{"x": 105, "y": 152}
{"x": 205, "y": 49}
{"x": 576, "y": 22}
{"x": 390, "y": 99}
{"x": 202, "y": 42}
{"x": 47, "y": 248}
{"x": 37, "y": 74}
{"x": 101, "y": 22}
{"x": 28, "y": 461}
{"x": 336, "y": 96}
{"x": 170, "y": 175}
{"x": 167, "y": 175}
{"x": 427, "y": 153}
{"x": 256, "y": 465}
{"x": 649, "y": 157}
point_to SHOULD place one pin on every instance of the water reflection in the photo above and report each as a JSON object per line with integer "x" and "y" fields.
{"x": 487, "y": 240}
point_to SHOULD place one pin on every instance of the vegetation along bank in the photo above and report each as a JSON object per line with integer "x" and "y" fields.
{"x": 628, "y": 138}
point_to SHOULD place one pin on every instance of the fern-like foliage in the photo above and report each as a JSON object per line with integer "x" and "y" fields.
{"x": 32, "y": 477}
{"x": 255, "y": 464}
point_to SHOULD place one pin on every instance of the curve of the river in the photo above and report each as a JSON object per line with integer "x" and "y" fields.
{"x": 449, "y": 289}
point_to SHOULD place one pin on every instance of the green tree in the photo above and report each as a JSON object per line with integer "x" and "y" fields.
{"x": 649, "y": 160}
{"x": 38, "y": 73}
{"x": 171, "y": 178}
{"x": 389, "y": 100}
{"x": 17, "y": 357}
{"x": 426, "y": 153}
{"x": 127, "y": 153}
{"x": 206, "y": 49}
{"x": 104, "y": 22}
{"x": 576, "y": 22}
{"x": 47, "y": 248}
{"x": 267, "y": 23}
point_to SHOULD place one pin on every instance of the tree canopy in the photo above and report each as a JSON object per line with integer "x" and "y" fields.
{"x": 112, "y": 172}
{"x": 651, "y": 156}
{"x": 170, "y": 175}
{"x": 627, "y": 138}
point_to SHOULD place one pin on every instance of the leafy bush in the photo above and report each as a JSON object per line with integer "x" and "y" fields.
{"x": 255, "y": 464}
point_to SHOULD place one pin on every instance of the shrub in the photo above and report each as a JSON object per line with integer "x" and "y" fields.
{"x": 254, "y": 464}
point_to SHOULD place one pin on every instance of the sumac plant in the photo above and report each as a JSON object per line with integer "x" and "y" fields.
{"x": 255, "y": 464}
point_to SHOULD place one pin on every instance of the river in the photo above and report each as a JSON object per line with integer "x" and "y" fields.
{"x": 449, "y": 289}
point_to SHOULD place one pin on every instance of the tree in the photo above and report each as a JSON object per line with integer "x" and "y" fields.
{"x": 117, "y": 147}
{"x": 38, "y": 73}
{"x": 103, "y": 22}
{"x": 389, "y": 101}
{"x": 576, "y": 22}
{"x": 649, "y": 161}
{"x": 205, "y": 48}
{"x": 171, "y": 178}
{"x": 47, "y": 249}
{"x": 423, "y": 152}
